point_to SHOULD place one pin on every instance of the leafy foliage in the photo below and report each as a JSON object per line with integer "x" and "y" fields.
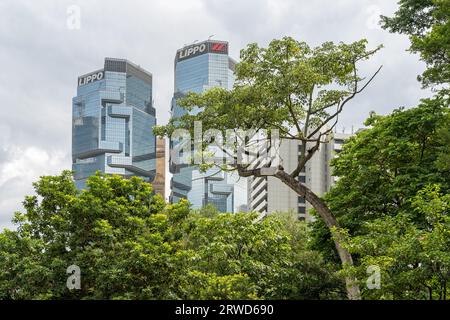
{"x": 272, "y": 253}
{"x": 384, "y": 200}
{"x": 414, "y": 262}
{"x": 130, "y": 244}
{"x": 381, "y": 168}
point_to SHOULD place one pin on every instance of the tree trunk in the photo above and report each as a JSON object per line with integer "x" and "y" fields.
{"x": 353, "y": 292}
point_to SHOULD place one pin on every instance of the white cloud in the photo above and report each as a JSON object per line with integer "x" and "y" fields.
{"x": 27, "y": 163}
{"x": 22, "y": 168}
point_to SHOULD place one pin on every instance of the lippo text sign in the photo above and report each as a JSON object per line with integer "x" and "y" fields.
{"x": 201, "y": 48}
{"x": 91, "y": 77}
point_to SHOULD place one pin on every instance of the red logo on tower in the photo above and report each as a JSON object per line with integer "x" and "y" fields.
{"x": 219, "y": 47}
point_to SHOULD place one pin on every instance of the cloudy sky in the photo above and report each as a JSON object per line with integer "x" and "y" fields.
{"x": 42, "y": 55}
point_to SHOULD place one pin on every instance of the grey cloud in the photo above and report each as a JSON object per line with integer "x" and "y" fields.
{"x": 42, "y": 59}
{"x": 4, "y": 156}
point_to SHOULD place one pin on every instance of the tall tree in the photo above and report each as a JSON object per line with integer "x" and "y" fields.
{"x": 427, "y": 23}
{"x": 382, "y": 168}
{"x": 291, "y": 87}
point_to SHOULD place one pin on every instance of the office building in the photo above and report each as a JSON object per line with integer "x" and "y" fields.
{"x": 269, "y": 194}
{"x": 198, "y": 67}
{"x": 113, "y": 117}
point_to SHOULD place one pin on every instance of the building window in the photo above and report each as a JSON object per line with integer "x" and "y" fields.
{"x": 302, "y": 179}
{"x": 302, "y": 210}
{"x": 301, "y": 200}
{"x": 103, "y": 135}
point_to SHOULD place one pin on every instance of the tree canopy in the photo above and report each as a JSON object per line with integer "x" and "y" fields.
{"x": 383, "y": 166}
{"x": 392, "y": 179}
{"x": 130, "y": 244}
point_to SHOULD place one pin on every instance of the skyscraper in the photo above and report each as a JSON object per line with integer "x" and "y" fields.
{"x": 112, "y": 120}
{"x": 198, "y": 67}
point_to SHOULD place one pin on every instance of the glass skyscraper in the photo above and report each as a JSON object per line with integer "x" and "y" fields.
{"x": 198, "y": 67}
{"x": 112, "y": 121}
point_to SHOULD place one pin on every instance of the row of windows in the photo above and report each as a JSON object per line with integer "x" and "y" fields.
{"x": 91, "y": 123}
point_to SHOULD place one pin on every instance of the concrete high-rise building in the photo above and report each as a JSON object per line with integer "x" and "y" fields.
{"x": 199, "y": 67}
{"x": 112, "y": 121}
{"x": 269, "y": 194}
{"x": 159, "y": 184}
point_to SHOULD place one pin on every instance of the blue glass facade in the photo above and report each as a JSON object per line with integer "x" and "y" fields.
{"x": 112, "y": 121}
{"x": 197, "y": 68}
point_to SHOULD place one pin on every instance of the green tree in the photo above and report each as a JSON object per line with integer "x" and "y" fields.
{"x": 414, "y": 262}
{"x": 381, "y": 169}
{"x": 115, "y": 231}
{"x": 130, "y": 244}
{"x": 443, "y": 161}
{"x": 288, "y": 86}
{"x": 427, "y": 23}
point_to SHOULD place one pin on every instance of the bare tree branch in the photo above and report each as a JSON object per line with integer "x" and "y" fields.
{"x": 341, "y": 106}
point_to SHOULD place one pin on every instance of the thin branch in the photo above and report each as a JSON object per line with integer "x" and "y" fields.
{"x": 341, "y": 106}
{"x": 370, "y": 80}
